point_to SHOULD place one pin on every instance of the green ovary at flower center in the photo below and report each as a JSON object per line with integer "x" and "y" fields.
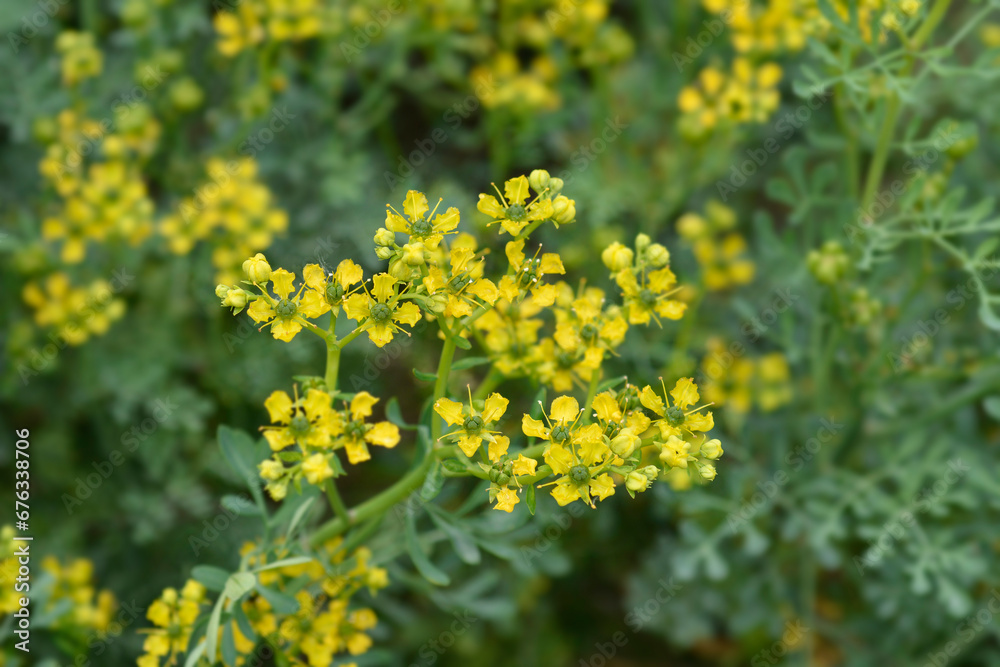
{"x": 381, "y": 312}
{"x": 648, "y": 298}
{"x": 421, "y": 228}
{"x": 560, "y": 433}
{"x": 515, "y": 212}
{"x": 334, "y": 293}
{"x": 299, "y": 425}
{"x": 588, "y": 332}
{"x": 579, "y": 474}
{"x": 286, "y": 309}
{"x": 473, "y": 424}
{"x": 356, "y": 429}
{"x": 675, "y": 416}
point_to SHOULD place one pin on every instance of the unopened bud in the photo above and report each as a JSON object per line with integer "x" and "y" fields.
{"x": 617, "y": 257}
{"x": 538, "y": 180}
{"x": 257, "y": 269}
{"x": 636, "y": 482}
{"x": 383, "y": 252}
{"x": 563, "y": 210}
{"x": 385, "y": 238}
{"x": 624, "y": 444}
{"x": 658, "y": 255}
{"x": 712, "y": 449}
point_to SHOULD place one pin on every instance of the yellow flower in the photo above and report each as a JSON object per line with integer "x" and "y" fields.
{"x": 578, "y": 453}
{"x": 80, "y": 58}
{"x": 526, "y": 275}
{"x": 174, "y": 617}
{"x": 308, "y": 421}
{"x": 332, "y": 289}
{"x": 462, "y": 284}
{"x": 74, "y": 313}
{"x": 378, "y": 312}
{"x": 317, "y": 469}
{"x": 421, "y": 229}
{"x": 511, "y": 211}
{"x": 286, "y": 313}
{"x": 677, "y": 418}
{"x": 506, "y": 499}
{"x": 648, "y": 298}
{"x": 586, "y": 327}
{"x": 358, "y": 434}
{"x": 475, "y": 426}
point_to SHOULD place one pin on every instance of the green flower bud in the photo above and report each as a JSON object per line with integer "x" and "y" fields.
{"x": 271, "y": 470}
{"x": 658, "y": 255}
{"x": 185, "y": 94}
{"x": 617, "y": 257}
{"x": 235, "y": 298}
{"x": 257, "y": 269}
{"x": 413, "y": 254}
{"x": 711, "y": 449}
{"x": 642, "y": 242}
{"x": 651, "y": 472}
{"x": 221, "y": 290}
{"x": 538, "y": 180}
{"x": 555, "y": 185}
{"x": 383, "y": 252}
{"x": 636, "y": 482}
{"x": 563, "y": 210}
{"x": 707, "y": 471}
{"x": 385, "y": 238}
{"x": 829, "y": 264}
{"x": 624, "y": 444}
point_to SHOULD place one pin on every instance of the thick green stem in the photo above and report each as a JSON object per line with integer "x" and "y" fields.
{"x": 595, "y": 379}
{"x": 441, "y": 384}
{"x": 336, "y": 503}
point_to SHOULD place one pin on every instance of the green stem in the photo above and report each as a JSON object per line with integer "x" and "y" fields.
{"x": 441, "y": 385}
{"x": 595, "y": 379}
{"x": 888, "y": 130}
{"x": 492, "y": 379}
{"x": 336, "y": 502}
{"x": 332, "y": 354}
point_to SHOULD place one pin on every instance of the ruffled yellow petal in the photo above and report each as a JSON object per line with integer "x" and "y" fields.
{"x": 450, "y": 411}
{"x": 383, "y": 434}
{"x": 551, "y": 263}
{"x": 407, "y": 313}
{"x": 523, "y": 465}
{"x": 494, "y": 407}
{"x": 498, "y": 447}
{"x": 559, "y": 458}
{"x": 651, "y": 400}
{"x": 506, "y": 499}
{"x": 607, "y": 408}
{"x": 516, "y": 190}
{"x": 282, "y": 282}
{"x": 285, "y": 330}
{"x": 260, "y": 310}
{"x": 602, "y": 486}
{"x": 361, "y": 405}
{"x": 415, "y": 205}
{"x": 489, "y": 205}
{"x": 348, "y": 273}
{"x": 533, "y": 428}
{"x": 515, "y": 253}
{"x": 684, "y": 393}
{"x": 357, "y": 307}
{"x": 314, "y": 277}
{"x": 279, "y": 407}
{"x": 564, "y": 409}
{"x": 383, "y": 289}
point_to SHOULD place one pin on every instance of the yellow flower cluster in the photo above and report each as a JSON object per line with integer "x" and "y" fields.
{"x": 721, "y": 252}
{"x": 174, "y": 615}
{"x": 79, "y": 609}
{"x": 252, "y": 22}
{"x": 556, "y": 36}
{"x": 80, "y": 58}
{"x": 739, "y": 382}
{"x": 747, "y": 94}
{"x": 323, "y": 626}
{"x": 74, "y": 313}
{"x": 319, "y": 431}
{"x": 232, "y": 211}
{"x": 437, "y": 272}
{"x": 102, "y": 200}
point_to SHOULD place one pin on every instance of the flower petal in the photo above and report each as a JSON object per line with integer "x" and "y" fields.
{"x": 564, "y": 409}
{"x": 361, "y": 405}
{"x": 282, "y": 282}
{"x": 450, "y": 411}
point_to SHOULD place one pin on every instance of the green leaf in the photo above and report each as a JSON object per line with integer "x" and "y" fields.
{"x": 282, "y": 603}
{"x": 453, "y": 465}
{"x": 424, "y": 566}
{"x": 195, "y": 655}
{"x": 469, "y": 362}
{"x": 229, "y": 654}
{"x": 299, "y": 515}
{"x": 239, "y": 584}
{"x": 240, "y": 505}
{"x": 433, "y": 482}
{"x": 243, "y": 623}
{"x": 212, "y": 631}
{"x": 610, "y": 383}
{"x": 461, "y": 541}
{"x": 426, "y": 377}
{"x": 991, "y": 404}
{"x": 395, "y": 415}
{"x": 285, "y": 562}
{"x": 462, "y": 343}
{"x": 240, "y": 452}
{"x": 529, "y": 497}
{"x": 985, "y": 248}
{"x": 213, "y": 578}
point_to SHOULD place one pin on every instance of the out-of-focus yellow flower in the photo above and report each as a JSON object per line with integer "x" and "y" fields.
{"x": 80, "y": 58}
{"x": 74, "y": 313}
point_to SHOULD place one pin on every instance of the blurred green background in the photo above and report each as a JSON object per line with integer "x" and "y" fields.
{"x": 822, "y": 174}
